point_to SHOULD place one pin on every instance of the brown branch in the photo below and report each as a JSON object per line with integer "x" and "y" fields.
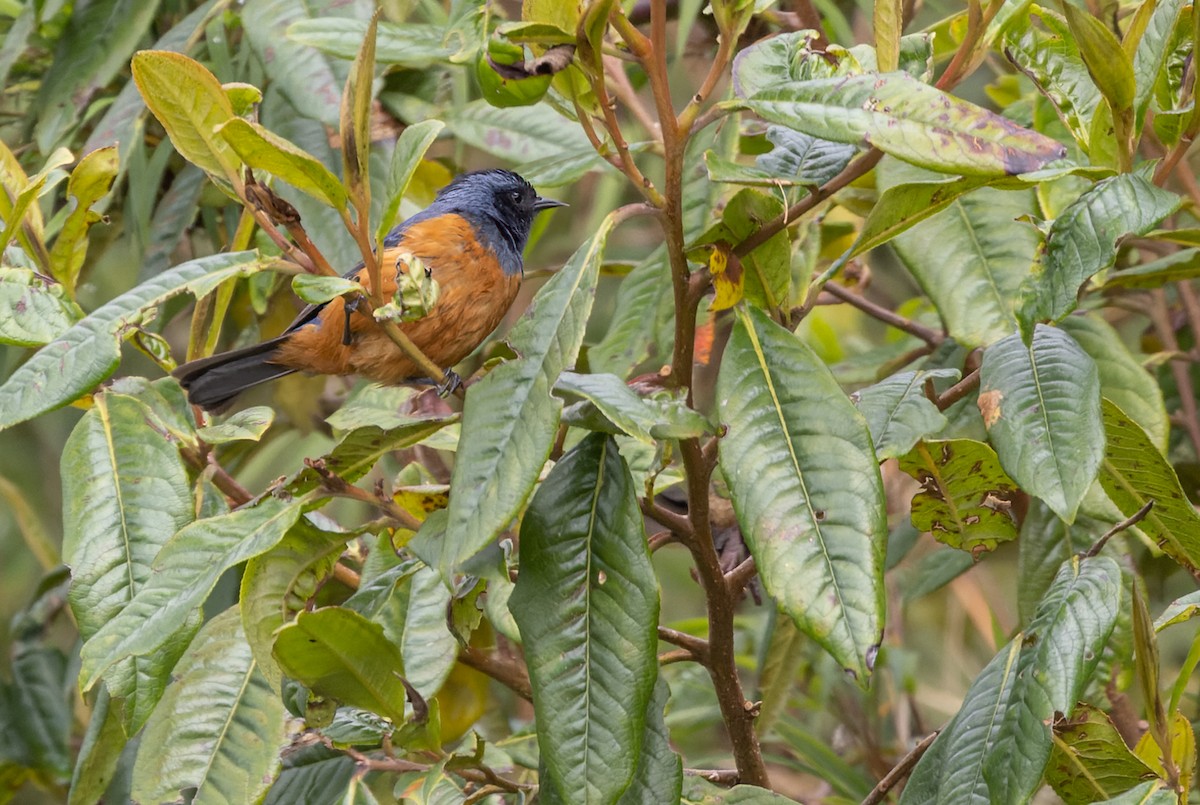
{"x": 676, "y": 523}
{"x": 626, "y": 94}
{"x": 238, "y": 495}
{"x": 678, "y": 655}
{"x": 1160, "y": 318}
{"x": 696, "y": 645}
{"x": 505, "y": 671}
{"x": 346, "y": 576}
{"x": 716, "y": 776}
{"x": 900, "y": 771}
{"x": 1128, "y": 522}
{"x": 482, "y": 774}
{"x": 850, "y": 173}
{"x": 955, "y": 393}
{"x": 737, "y": 715}
{"x": 338, "y": 487}
{"x": 926, "y": 334}
{"x": 740, "y": 576}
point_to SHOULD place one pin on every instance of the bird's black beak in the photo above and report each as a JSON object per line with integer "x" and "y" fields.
{"x": 540, "y": 203}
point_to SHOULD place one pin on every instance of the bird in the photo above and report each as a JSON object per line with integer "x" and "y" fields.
{"x": 470, "y": 239}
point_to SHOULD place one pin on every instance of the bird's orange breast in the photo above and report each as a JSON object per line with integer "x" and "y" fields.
{"x": 474, "y": 296}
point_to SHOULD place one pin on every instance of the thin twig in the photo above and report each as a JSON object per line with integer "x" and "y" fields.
{"x": 678, "y": 655}
{"x": 716, "y": 776}
{"x": 900, "y": 771}
{"x": 956, "y": 392}
{"x": 850, "y": 173}
{"x": 482, "y": 775}
{"x": 926, "y": 334}
{"x": 346, "y": 576}
{"x": 696, "y": 645}
{"x": 676, "y": 523}
{"x": 1128, "y": 522}
{"x": 740, "y": 576}
{"x": 1160, "y": 318}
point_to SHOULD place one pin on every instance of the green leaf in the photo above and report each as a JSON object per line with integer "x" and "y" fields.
{"x": 310, "y": 80}
{"x": 267, "y": 151}
{"x": 504, "y": 91}
{"x": 519, "y": 135}
{"x": 357, "y": 452}
{"x": 1123, "y": 379}
{"x": 313, "y": 773}
{"x": 90, "y": 181}
{"x": 659, "y": 775}
{"x": 1041, "y": 406}
{"x": 318, "y": 289}
{"x": 1178, "y": 611}
{"x": 586, "y": 603}
{"x": 1045, "y": 543}
{"x": 278, "y": 583}
{"x": 966, "y": 499}
{"x": 1152, "y": 53}
{"x": 646, "y": 419}
{"x": 996, "y": 746}
{"x": 912, "y": 121}
{"x": 642, "y": 313}
{"x": 428, "y": 647}
{"x": 951, "y": 771}
{"x": 698, "y": 791}
{"x": 125, "y": 492}
{"x": 1108, "y": 64}
{"x": 338, "y": 653}
{"x": 184, "y": 573}
{"x": 96, "y": 46}
{"x": 1154, "y": 792}
{"x": 1059, "y": 652}
{"x": 888, "y": 24}
{"x": 407, "y": 45}
{"x": 1052, "y": 60}
{"x": 219, "y": 727}
{"x": 190, "y": 104}
{"x": 898, "y": 412}
{"x": 100, "y": 752}
{"x": 35, "y": 713}
{"x": 767, "y": 270}
{"x": 1134, "y": 473}
{"x": 1084, "y": 238}
{"x": 504, "y": 446}
{"x": 89, "y": 352}
{"x": 355, "y": 122}
{"x": 969, "y": 259}
{"x": 797, "y": 159}
{"x": 1181, "y": 265}
{"x": 1091, "y": 762}
{"x": 806, "y": 487}
{"x": 35, "y": 311}
{"x": 410, "y": 149}
{"x": 249, "y": 424}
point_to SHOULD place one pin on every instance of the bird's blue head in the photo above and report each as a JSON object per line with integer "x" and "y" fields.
{"x": 500, "y": 204}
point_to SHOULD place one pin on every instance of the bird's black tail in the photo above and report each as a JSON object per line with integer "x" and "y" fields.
{"x": 212, "y": 383}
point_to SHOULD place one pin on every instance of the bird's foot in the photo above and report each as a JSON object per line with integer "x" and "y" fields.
{"x": 449, "y": 385}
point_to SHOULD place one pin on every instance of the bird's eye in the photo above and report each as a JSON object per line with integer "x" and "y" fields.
{"x": 515, "y": 195}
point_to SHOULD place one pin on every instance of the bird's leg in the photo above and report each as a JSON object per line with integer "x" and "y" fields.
{"x": 350, "y": 306}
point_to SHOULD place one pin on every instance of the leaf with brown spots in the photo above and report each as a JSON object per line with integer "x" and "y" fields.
{"x": 912, "y": 121}
{"x": 966, "y": 498}
{"x": 1134, "y": 473}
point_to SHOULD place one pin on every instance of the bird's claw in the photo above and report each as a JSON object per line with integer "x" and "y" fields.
{"x": 449, "y": 385}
